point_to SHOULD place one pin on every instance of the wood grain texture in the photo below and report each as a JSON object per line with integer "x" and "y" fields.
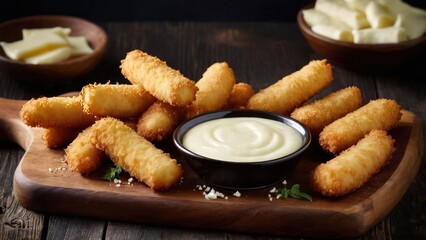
{"x": 259, "y": 53}
{"x": 61, "y": 191}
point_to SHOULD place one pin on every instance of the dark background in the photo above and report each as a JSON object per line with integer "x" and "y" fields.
{"x": 156, "y": 10}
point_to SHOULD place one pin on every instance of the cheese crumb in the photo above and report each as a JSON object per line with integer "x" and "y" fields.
{"x": 237, "y": 194}
{"x": 129, "y": 181}
{"x": 211, "y": 195}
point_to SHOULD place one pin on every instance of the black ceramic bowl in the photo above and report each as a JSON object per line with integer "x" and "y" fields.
{"x": 237, "y": 175}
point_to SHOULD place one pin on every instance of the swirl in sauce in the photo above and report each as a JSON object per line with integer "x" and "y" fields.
{"x": 242, "y": 139}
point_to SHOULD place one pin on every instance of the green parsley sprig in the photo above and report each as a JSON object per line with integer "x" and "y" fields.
{"x": 112, "y": 173}
{"x": 294, "y": 192}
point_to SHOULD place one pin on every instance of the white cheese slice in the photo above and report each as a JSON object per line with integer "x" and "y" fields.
{"x": 414, "y": 26}
{"x": 37, "y": 44}
{"x": 411, "y": 18}
{"x": 314, "y": 17}
{"x": 63, "y": 32}
{"x": 378, "y": 16}
{"x": 359, "y": 5}
{"x": 379, "y": 35}
{"x": 340, "y": 10}
{"x": 79, "y": 46}
{"x": 53, "y": 56}
{"x": 333, "y": 32}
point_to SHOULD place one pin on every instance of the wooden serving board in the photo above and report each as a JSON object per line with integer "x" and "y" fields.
{"x": 65, "y": 192}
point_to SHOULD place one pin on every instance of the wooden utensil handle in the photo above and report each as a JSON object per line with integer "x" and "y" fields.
{"x": 11, "y": 126}
{"x": 10, "y": 108}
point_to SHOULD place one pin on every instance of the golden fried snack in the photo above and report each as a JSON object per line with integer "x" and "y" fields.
{"x": 135, "y": 154}
{"x": 55, "y": 112}
{"x": 240, "y": 94}
{"x": 382, "y": 114}
{"x": 115, "y": 100}
{"x": 214, "y": 89}
{"x": 354, "y": 166}
{"x": 59, "y": 137}
{"x": 322, "y": 112}
{"x": 81, "y": 155}
{"x": 131, "y": 123}
{"x": 159, "y": 121}
{"x": 293, "y": 90}
{"x": 160, "y": 80}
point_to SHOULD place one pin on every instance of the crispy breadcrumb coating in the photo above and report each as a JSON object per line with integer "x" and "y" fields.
{"x": 324, "y": 111}
{"x": 115, "y": 100}
{"x": 293, "y": 90}
{"x": 382, "y": 114}
{"x": 354, "y": 166}
{"x": 136, "y": 155}
{"x": 156, "y": 77}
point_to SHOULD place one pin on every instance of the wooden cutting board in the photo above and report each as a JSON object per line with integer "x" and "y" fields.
{"x": 61, "y": 191}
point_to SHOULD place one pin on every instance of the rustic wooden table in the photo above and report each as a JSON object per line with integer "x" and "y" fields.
{"x": 260, "y": 53}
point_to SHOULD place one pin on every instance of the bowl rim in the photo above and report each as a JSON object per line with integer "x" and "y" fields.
{"x": 305, "y": 28}
{"x": 227, "y": 113}
{"x": 101, "y": 47}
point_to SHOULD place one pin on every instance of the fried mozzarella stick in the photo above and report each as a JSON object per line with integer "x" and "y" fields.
{"x": 59, "y": 137}
{"x": 322, "y": 112}
{"x": 81, "y": 155}
{"x": 240, "y": 94}
{"x": 214, "y": 89}
{"x": 354, "y": 166}
{"x": 55, "y": 112}
{"x": 293, "y": 90}
{"x": 160, "y": 80}
{"x": 136, "y": 155}
{"x": 159, "y": 121}
{"x": 115, "y": 100}
{"x": 382, "y": 114}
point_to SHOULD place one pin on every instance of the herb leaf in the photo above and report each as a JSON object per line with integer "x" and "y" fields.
{"x": 294, "y": 192}
{"x": 112, "y": 173}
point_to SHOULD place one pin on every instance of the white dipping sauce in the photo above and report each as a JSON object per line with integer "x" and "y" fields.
{"x": 242, "y": 139}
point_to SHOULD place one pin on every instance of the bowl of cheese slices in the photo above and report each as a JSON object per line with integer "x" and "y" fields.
{"x": 50, "y": 48}
{"x": 366, "y": 36}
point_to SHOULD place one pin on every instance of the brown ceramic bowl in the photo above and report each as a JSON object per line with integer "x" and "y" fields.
{"x": 58, "y": 72}
{"x": 363, "y": 57}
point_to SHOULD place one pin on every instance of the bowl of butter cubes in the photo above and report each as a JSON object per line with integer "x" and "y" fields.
{"x": 365, "y": 35}
{"x": 50, "y": 48}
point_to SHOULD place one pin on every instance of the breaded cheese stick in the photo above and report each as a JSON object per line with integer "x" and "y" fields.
{"x": 240, "y": 94}
{"x": 159, "y": 121}
{"x": 160, "y": 80}
{"x": 293, "y": 90}
{"x": 382, "y": 114}
{"x": 59, "y": 137}
{"x": 81, "y": 155}
{"x": 115, "y": 100}
{"x": 214, "y": 89}
{"x": 354, "y": 166}
{"x": 135, "y": 154}
{"x": 55, "y": 112}
{"x": 324, "y": 111}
